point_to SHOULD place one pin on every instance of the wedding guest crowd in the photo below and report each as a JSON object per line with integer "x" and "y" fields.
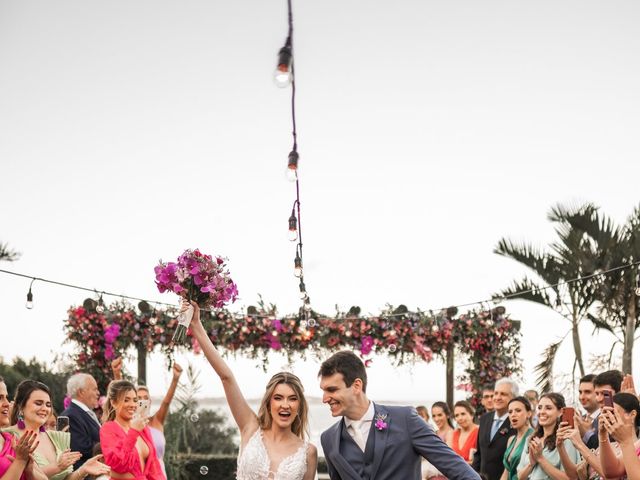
{"x": 33, "y": 448}
{"x": 539, "y": 437}
{"x": 529, "y": 437}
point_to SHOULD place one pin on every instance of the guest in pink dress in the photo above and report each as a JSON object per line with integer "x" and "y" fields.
{"x": 127, "y": 444}
{"x": 15, "y": 456}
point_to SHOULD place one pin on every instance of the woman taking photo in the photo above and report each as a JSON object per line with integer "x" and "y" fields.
{"x": 605, "y": 461}
{"x": 31, "y": 410}
{"x": 156, "y": 421}
{"x": 126, "y": 441}
{"x": 520, "y": 414}
{"x": 465, "y": 437}
{"x": 541, "y": 461}
{"x": 273, "y": 442}
{"x": 622, "y": 424}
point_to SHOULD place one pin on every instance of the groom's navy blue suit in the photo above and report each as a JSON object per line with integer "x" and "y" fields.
{"x": 393, "y": 452}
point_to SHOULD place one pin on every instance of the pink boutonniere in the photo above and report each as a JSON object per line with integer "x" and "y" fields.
{"x": 380, "y": 422}
{"x": 503, "y": 431}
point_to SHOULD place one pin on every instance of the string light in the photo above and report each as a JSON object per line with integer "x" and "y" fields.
{"x": 292, "y": 166}
{"x": 293, "y": 227}
{"x": 100, "y": 306}
{"x": 283, "y": 74}
{"x": 496, "y": 300}
{"x": 297, "y": 270}
{"x": 29, "y": 304}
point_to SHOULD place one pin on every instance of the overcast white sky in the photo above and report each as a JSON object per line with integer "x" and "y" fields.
{"x": 428, "y": 130}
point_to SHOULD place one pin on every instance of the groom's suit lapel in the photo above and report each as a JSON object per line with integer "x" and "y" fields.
{"x": 341, "y": 463}
{"x": 381, "y": 437}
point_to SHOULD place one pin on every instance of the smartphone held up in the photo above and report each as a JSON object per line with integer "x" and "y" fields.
{"x": 143, "y": 409}
{"x": 567, "y": 416}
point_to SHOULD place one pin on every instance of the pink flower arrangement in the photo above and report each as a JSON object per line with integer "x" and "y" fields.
{"x": 198, "y": 276}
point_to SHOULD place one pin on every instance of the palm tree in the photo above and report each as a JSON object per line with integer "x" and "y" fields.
{"x": 617, "y": 292}
{"x": 573, "y": 255}
{"x": 7, "y": 254}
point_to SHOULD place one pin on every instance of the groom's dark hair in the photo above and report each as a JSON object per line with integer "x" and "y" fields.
{"x": 348, "y": 364}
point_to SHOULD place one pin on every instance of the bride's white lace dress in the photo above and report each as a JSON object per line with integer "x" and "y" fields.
{"x": 254, "y": 463}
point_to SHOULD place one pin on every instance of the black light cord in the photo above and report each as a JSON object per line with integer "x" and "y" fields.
{"x": 512, "y": 296}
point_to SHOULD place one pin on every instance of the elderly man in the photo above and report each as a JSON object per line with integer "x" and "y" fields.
{"x": 495, "y": 429}
{"x": 83, "y": 422}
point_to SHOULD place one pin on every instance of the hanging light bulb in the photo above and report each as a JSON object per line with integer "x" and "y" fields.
{"x": 100, "y": 306}
{"x": 293, "y": 227}
{"x": 303, "y": 291}
{"x": 282, "y": 75}
{"x": 29, "y": 303}
{"x": 292, "y": 166}
{"x": 297, "y": 271}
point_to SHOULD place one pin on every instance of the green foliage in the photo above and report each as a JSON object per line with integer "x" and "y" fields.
{"x": 192, "y": 467}
{"x": 32, "y": 369}
{"x": 192, "y": 433}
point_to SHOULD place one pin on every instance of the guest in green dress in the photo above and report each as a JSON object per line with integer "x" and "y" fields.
{"x": 541, "y": 459}
{"x": 520, "y": 414}
{"x": 32, "y": 408}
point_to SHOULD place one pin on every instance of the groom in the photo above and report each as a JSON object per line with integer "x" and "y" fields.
{"x": 377, "y": 442}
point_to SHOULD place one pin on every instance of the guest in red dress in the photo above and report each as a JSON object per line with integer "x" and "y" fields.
{"x": 465, "y": 437}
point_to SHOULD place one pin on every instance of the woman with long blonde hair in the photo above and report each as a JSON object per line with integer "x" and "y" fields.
{"x": 127, "y": 444}
{"x": 273, "y": 442}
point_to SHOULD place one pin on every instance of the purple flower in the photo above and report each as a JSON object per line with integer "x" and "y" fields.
{"x": 366, "y": 345}
{"x": 380, "y": 423}
{"x": 111, "y": 333}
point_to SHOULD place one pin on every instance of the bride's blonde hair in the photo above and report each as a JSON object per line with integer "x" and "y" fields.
{"x": 300, "y": 425}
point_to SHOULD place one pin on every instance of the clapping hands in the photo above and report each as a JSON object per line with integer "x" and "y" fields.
{"x": 95, "y": 467}
{"x": 535, "y": 450}
{"x": 25, "y": 447}
{"x": 67, "y": 458}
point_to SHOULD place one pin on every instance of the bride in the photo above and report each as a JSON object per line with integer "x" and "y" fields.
{"x": 272, "y": 443}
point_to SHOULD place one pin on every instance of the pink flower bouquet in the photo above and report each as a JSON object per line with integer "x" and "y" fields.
{"x": 198, "y": 277}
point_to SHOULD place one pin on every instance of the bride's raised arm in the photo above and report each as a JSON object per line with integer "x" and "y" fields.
{"x": 245, "y": 418}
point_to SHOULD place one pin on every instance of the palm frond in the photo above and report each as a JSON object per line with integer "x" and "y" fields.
{"x": 541, "y": 263}
{"x": 7, "y": 254}
{"x": 527, "y": 290}
{"x": 544, "y": 370}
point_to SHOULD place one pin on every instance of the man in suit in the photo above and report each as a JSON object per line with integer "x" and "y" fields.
{"x": 494, "y": 431}
{"x": 83, "y": 422}
{"x": 610, "y": 380}
{"x": 377, "y": 442}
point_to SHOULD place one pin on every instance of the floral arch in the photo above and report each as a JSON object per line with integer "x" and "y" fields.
{"x": 488, "y": 340}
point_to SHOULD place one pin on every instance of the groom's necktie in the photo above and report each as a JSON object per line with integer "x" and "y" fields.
{"x": 356, "y": 434}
